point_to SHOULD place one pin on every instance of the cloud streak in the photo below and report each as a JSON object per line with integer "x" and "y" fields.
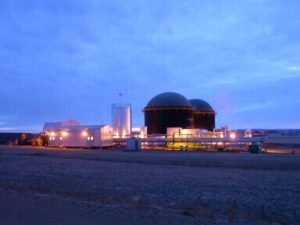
{"x": 61, "y": 59}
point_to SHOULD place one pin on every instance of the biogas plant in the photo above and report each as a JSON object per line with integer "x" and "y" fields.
{"x": 171, "y": 122}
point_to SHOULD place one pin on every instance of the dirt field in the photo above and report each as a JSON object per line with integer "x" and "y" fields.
{"x": 76, "y": 186}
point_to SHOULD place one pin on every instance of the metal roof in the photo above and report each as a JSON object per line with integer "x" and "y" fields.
{"x": 56, "y": 126}
{"x": 168, "y": 99}
{"x": 201, "y": 105}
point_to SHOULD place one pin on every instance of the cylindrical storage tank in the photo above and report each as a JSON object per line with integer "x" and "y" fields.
{"x": 121, "y": 120}
{"x": 165, "y": 110}
{"x": 204, "y": 115}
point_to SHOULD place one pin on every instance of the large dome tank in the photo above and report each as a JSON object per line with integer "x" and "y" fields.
{"x": 203, "y": 115}
{"x": 168, "y": 109}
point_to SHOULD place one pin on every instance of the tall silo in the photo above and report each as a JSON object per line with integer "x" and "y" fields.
{"x": 121, "y": 120}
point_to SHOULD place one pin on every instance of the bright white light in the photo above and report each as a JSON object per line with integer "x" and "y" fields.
{"x": 248, "y": 134}
{"x": 136, "y": 129}
{"x": 52, "y": 134}
{"x": 232, "y": 135}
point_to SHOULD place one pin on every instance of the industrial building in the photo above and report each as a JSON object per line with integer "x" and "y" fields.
{"x": 171, "y": 109}
{"x": 172, "y": 122}
{"x": 78, "y": 136}
{"x": 71, "y": 134}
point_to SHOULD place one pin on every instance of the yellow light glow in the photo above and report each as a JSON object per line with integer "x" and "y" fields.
{"x": 123, "y": 134}
{"x": 52, "y": 134}
{"x": 64, "y": 133}
{"x": 142, "y": 134}
{"x": 84, "y": 133}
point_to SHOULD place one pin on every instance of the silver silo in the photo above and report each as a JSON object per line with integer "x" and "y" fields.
{"x": 121, "y": 120}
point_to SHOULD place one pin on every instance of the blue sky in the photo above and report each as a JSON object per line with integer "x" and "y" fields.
{"x": 70, "y": 59}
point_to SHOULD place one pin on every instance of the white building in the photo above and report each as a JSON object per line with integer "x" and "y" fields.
{"x": 179, "y": 132}
{"x": 79, "y": 136}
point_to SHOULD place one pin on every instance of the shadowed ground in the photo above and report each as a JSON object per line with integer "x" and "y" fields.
{"x": 76, "y": 186}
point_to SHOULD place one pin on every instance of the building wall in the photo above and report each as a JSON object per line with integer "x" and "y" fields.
{"x": 204, "y": 120}
{"x": 83, "y": 137}
{"x": 158, "y": 120}
{"x": 178, "y": 132}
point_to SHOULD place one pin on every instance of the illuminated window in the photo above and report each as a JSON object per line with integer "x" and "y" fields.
{"x": 60, "y": 138}
{"x": 90, "y": 138}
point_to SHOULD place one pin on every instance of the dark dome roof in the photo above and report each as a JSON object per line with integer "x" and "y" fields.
{"x": 200, "y": 105}
{"x": 168, "y": 99}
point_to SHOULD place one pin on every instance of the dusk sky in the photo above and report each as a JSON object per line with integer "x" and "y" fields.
{"x": 70, "y": 59}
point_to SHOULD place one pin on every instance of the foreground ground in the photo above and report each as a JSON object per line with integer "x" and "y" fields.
{"x": 74, "y": 186}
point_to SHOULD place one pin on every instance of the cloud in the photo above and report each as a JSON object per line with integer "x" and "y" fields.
{"x": 62, "y": 59}
{"x": 256, "y": 106}
{"x": 27, "y": 128}
{"x": 293, "y": 68}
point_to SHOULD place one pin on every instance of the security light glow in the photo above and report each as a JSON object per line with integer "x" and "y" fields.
{"x": 64, "y": 133}
{"x": 232, "y": 135}
{"x": 84, "y": 133}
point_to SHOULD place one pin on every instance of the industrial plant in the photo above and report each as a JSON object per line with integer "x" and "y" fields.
{"x": 172, "y": 122}
{"x": 171, "y": 109}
